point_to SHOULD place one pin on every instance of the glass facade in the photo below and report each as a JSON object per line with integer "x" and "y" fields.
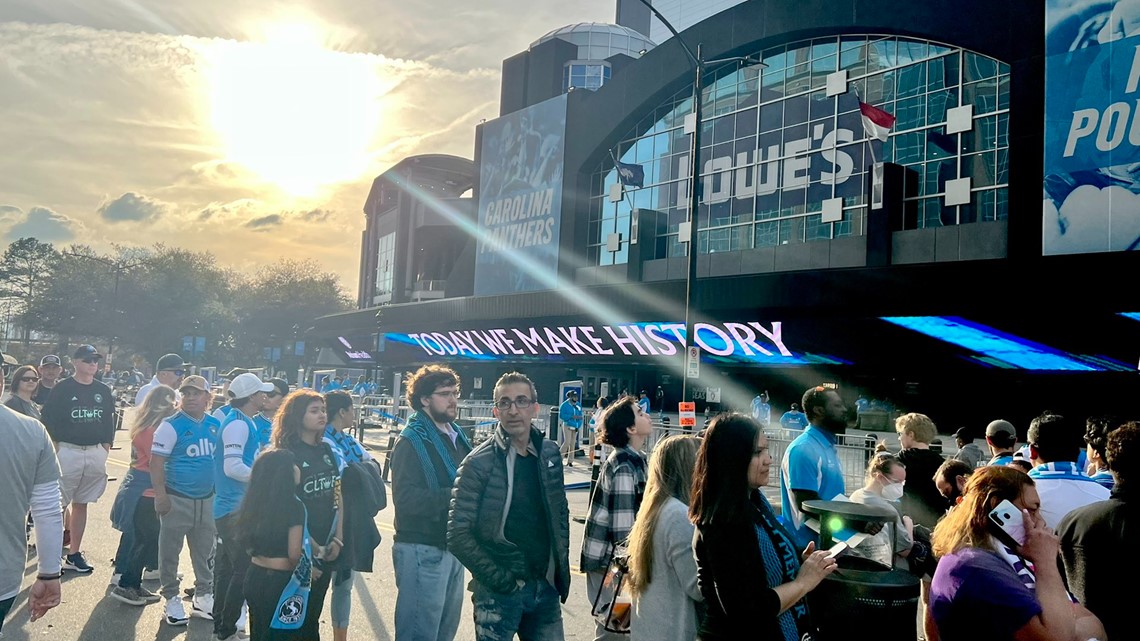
{"x": 385, "y": 267}
{"x": 581, "y": 74}
{"x": 775, "y": 147}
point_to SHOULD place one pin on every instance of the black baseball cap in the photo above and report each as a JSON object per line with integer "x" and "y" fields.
{"x": 170, "y": 362}
{"x": 964, "y": 434}
{"x": 280, "y": 384}
{"x": 234, "y": 373}
{"x": 84, "y": 352}
{"x": 50, "y": 359}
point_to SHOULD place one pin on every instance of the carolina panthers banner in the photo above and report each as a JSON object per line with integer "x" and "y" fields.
{"x": 1092, "y": 137}
{"x": 520, "y": 200}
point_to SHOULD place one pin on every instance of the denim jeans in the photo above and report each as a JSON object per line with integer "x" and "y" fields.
{"x": 429, "y": 599}
{"x": 533, "y": 612}
{"x": 341, "y": 607}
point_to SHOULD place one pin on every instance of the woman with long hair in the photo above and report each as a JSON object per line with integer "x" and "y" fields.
{"x": 299, "y": 427}
{"x": 984, "y": 584}
{"x": 618, "y": 494}
{"x": 748, "y": 568}
{"x": 270, "y": 526}
{"x": 23, "y": 386}
{"x": 133, "y": 510}
{"x": 886, "y": 478}
{"x": 662, "y": 572}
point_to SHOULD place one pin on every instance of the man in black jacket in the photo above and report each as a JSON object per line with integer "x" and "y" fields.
{"x": 1096, "y": 546}
{"x": 424, "y": 463}
{"x": 510, "y": 523}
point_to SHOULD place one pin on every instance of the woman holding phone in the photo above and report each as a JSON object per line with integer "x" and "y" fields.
{"x": 982, "y": 584}
{"x": 752, "y": 577}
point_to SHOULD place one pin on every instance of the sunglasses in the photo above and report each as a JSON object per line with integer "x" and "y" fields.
{"x": 177, "y": 372}
{"x": 30, "y": 379}
{"x": 90, "y": 361}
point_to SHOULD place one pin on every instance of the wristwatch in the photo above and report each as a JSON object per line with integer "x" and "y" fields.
{"x": 49, "y": 577}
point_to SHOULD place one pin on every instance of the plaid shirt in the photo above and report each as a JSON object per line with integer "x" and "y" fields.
{"x": 613, "y": 507}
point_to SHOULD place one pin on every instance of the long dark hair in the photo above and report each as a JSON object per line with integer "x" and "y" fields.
{"x": 720, "y": 481}
{"x": 272, "y": 485}
{"x": 288, "y": 422}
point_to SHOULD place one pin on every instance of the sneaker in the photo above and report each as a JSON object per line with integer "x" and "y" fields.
{"x": 115, "y": 579}
{"x": 146, "y": 594}
{"x": 130, "y": 596}
{"x": 242, "y": 620}
{"x": 202, "y": 606}
{"x": 77, "y": 563}
{"x": 150, "y": 575}
{"x": 175, "y": 613}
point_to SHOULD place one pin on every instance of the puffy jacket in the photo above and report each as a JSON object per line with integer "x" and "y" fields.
{"x": 478, "y": 502}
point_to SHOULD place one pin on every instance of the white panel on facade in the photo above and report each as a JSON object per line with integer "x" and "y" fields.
{"x": 837, "y": 83}
{"x": 832, "y": 210}
{"x": 960, "y": 119}
{"x": 613, "y": 242}
{"x": 615, "y": 192}
{"x": 958, "y": 192}
{"x": 683, "y": 231}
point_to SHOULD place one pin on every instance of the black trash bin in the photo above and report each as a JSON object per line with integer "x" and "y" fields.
{"x": 863, "y": 600}
{"x": 552, "y": 424}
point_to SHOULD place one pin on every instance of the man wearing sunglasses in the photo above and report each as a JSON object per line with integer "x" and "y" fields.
{"x": 264, "y": 419}
{"x": 50, "y": 369}
{"x": 168, "y": 371}
{"x": 510, "y": 523}
{"x": 80, "y": 417}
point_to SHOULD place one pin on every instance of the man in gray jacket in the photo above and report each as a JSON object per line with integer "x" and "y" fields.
{"x": 510, "y": 523}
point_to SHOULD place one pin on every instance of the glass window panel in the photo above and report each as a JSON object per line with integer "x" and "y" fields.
{"x": 816, "y": 229}
{"x": 820, "y": 68}
{"x": 942, "y": 73}
{"x": 984, "y": 205}
{"x": 791, "y": 231}
{"x": 913, "y": 181}
{"x": 880, "y": 89}
{"x": 940, "y": 144}
{"x": 982, "y": 137}
{"x": 746, "y": 122}
{"x": 937, "y": 103}
{"x": 1001, "y": 197}
{"x": 854, "y": 59}
{"x": 884, "y": 54}
{"x": 775, "y": 58}
{"x": 932, "y": 215}
{"x": 909, "y": 148}
{"x": 1003, "y": 92}
{"x": 911, "y": 81}
{"x": 911, "y": 51}
{"x": 1002, "y": 176}
{"x": 983, "y": 95}
{"x": 766, "y": 234}
{"x": 978, "y": 67}
{"x": 819, "y": 105}
{"x": 824, "y": 47}
{"x": 937, "y": 173}
{"x": 1003, "y": 130}
{"x": 910, "y": 113}
{"x": 980, "y": 168}
{"x": 771, "y": 85}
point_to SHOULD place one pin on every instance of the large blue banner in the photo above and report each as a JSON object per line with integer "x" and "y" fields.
{"x": 1092, "y": 137}
{"x": 520, "y": 200}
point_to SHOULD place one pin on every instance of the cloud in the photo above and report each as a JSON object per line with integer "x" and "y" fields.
{"x": 44, "y": 224}
{"x": 133, "y": 207}
{"x": 9, "y": 213}
{"x": 316, "y": 216}
{"x": 263, "y": 222}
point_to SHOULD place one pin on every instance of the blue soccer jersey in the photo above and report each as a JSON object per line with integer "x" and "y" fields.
{"x": 236, "y": 440}
{"x": 188, "y": 446}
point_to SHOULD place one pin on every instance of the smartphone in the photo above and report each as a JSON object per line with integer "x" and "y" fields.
{"x": 836, "y": 549}
{"x": 1008, "y": 524}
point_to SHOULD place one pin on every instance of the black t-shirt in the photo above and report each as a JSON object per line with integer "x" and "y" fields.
{"x": 921, "y": 500}
{"x": 80, "y": 414}
{"x": 274, "y": 542}
{"x": 320, "y": 486}
{"x": 527, "y": 525}
{"x": 42, "y": 394}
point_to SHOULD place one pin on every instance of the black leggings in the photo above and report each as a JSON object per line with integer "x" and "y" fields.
{"x": 144, "y": 542}
{"x": 263, "y": 588}
{"x": 5, "y": 606}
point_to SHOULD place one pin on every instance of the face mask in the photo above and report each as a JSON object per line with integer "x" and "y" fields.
{"x": 893, "y": 491}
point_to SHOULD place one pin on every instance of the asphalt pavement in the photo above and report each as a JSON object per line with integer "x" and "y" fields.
{"x": 88, "y": 614}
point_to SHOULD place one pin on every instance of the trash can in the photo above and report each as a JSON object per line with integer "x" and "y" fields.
{"x": 552, "y": 431}
{"x": 864, "y": 599}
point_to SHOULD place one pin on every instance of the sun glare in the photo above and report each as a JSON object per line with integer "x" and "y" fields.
{"x": 293, "y": 112}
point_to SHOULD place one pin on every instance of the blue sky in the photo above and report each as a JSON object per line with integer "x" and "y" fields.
{"x": 251, "y": 129}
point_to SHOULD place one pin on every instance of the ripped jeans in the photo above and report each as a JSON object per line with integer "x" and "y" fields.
{"x": 533, "y": 611}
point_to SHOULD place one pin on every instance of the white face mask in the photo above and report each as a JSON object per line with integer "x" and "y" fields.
{"x": 893, "y": 491}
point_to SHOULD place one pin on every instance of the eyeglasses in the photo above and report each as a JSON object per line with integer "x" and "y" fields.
{"x": 521, "y": 402}
{"x": 451, "y": 394}
{"x": 30, "y": 379}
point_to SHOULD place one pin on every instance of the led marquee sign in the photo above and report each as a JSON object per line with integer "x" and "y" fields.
{"x": 747, "y": 340}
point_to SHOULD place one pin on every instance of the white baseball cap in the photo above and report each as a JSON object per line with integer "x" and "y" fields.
{"x": 245, "y": 385}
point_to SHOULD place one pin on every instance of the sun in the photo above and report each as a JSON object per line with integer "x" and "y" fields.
{"x": 293, "y": 112}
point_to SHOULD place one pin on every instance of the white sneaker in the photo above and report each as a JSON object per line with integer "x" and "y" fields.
{"x": 241, "y": 622}
{"x": 150, "y": 575}
{"x": 115, "y": 579}
{"x": 202, "y": 607}
{"x": 175, "y": 612}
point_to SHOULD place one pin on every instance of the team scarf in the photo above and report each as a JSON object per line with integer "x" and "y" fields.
{"x": 420, "y": 431}
{"x": 781, "y": 565}
{"x": 345, "y": 444}
{"x": 1060, "y": 471}
{"x": 294, "y": 601}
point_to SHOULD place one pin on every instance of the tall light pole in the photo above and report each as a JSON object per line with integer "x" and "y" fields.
{"x": 118, "y": 267}
{"x": 696, "y": 183}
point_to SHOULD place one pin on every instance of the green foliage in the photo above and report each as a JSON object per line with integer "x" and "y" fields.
{"x": 147, "y": 299}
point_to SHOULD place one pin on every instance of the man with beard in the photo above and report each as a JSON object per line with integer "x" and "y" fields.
{"x": 424, "y": 463}
{"x": 811, "y": 468}
{"x": 50, "y": 369}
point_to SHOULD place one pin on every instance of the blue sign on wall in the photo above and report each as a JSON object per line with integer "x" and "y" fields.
{"x": 1092, "y": 135}
{"x": 520, "y": 200}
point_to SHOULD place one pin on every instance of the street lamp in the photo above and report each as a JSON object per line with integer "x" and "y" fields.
{"x": 695, "y": 187}
{"x": 117, "y": 266}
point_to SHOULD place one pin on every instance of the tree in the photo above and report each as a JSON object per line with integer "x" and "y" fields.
{"x": 25, "y": 269}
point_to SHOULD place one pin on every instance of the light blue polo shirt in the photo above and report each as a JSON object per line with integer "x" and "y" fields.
{"x": 810, "y": 463}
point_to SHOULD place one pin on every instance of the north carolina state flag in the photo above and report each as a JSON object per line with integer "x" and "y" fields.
{"x": 876, "y": 122}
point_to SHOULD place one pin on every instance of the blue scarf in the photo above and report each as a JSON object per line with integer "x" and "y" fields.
{"x": 421, "y": 431}
{"x": 1064, "y": 470}
{"x": 781, "y": 565}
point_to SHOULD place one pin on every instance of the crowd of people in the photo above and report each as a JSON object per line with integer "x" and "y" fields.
{"x": 276, "y": 500}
